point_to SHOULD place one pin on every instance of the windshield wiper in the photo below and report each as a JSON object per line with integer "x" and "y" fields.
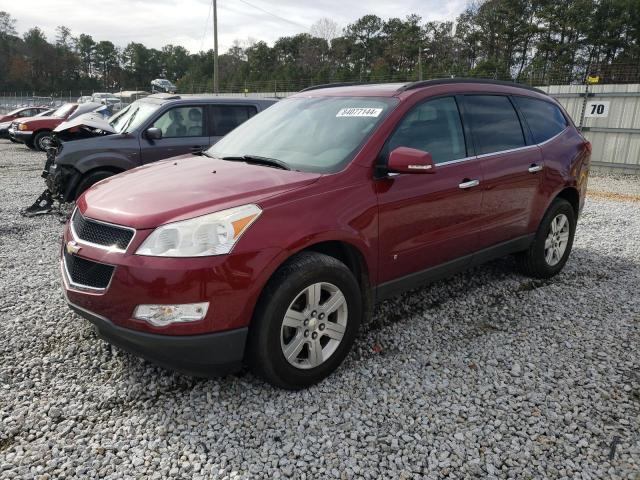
{"x": 271, "y": 162}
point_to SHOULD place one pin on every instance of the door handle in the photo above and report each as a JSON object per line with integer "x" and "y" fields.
{"x": 469, "y": 184}
{"x": 535, "y": 168}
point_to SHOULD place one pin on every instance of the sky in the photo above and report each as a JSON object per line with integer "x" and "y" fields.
{"x": 156, "y": 23}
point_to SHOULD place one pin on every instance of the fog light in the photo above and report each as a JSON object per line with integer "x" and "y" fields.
{"x": 163, "y": 315}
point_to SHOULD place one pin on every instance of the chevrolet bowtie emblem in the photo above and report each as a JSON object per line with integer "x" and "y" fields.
{"x": 73, "y": 247}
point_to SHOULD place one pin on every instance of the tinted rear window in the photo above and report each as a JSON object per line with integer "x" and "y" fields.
{"x": 494, "y": 123}
{"x": 225, "y": 118}
{"x": 544, "y": 119}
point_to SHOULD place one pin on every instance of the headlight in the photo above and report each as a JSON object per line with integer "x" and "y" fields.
{"x": 212, "y": 234}
{"x": 22, "y": 126}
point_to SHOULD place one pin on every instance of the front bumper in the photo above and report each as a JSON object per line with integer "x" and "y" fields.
{"x": 61, "y": 180}
{"x": 23, "y": 136}
{"x": 230, "y": 283}
{"x": 205, "y": 355}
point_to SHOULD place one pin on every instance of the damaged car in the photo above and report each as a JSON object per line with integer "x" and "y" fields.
{"x": 35, "y": 132}
{"x": 90, "y": 148}
{"x": 7, "y": 120}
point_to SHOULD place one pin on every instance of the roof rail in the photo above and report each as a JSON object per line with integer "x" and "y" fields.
{"x": 443, "y": 81}
{"x": 165, "y": 96}
{"x": 331, "y": 85}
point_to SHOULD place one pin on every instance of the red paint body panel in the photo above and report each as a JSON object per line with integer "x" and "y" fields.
{"x": 400, "y": 224}
{"x": 426, "y": 220}
{"x": 35, "y": 124}
{"x": 510, "y": 195}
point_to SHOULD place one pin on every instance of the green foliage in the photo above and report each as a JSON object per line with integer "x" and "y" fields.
{"x": 536, "y": 41}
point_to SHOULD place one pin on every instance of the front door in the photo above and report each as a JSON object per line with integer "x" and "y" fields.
{"x": 426, "y": 220}
{"x": 183, "y": 131}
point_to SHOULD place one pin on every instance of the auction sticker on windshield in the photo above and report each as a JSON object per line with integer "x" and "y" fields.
{"x": 359, "y": 112}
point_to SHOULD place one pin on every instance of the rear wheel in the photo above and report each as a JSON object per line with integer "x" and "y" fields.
{"x": 552, "y": 244}
{"x": 305, "y": 322}
{"x": 90, "y": 179}
{"x": 42, "y": 140}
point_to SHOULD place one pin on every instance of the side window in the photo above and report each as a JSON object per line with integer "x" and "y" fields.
{"x": 544, "y": 118}
{"x": 494, "y": 122}
{"x": 225, "y": 118}
{"x": 181, "y": 122}
{"x": 433, "y": 126}
{"x": 24, "y": 113}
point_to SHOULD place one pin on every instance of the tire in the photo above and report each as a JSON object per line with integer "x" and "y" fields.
{"x": 547, "y": 254}
{"x": 42, "y": 140}
{"x": 13, "y": 140}
{"x": 287, "y": 293}
{"x": 90, "y": 179}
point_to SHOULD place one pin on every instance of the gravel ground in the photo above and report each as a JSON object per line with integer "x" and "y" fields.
{"x": 485, "y": 375}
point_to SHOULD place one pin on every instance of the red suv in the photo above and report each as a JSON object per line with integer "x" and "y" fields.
{"x": 273, "y": 247}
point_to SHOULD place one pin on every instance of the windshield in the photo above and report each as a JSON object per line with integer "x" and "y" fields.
{"x": 64, "y": 110}
{"x": 309, "y": 134}
{"x": 132, "y": 116}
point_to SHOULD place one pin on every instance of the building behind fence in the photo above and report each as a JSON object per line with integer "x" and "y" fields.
{"x": 609, "y": 114}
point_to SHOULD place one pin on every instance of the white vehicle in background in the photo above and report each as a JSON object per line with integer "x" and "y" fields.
{"x": 84, "y": 99}
{"x": 108, "y": 99}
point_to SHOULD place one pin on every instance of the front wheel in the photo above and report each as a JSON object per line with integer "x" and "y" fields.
{"x": 91, "y": 179}
{"x": 305, "y": 322}
{"x": 552, "y": 244}
{"x": 42, "y": 141}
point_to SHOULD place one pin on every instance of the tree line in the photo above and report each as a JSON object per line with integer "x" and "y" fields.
{"x": 533, "y": 41}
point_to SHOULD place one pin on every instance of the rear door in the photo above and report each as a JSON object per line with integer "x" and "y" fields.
{"x": 430, "y": 219}
{"x": 224, "y": 118}
{"x": 511, "y": 166}
{"x": 184, "y": 130}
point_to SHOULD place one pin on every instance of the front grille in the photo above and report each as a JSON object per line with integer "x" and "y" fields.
{"x": 98, "y": 233}
{"x": 85, "y": 273}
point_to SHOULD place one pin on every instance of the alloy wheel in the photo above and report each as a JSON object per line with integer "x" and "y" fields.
{"x": 557, "y": 239}
{"x": 314, "y": 325}
{"x": 44, "y": 143}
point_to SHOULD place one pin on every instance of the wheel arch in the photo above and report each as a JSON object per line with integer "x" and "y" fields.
{"x": 571, "y": 195}
{"x": 71, "y": 191}
{"x": 349, "y": 254}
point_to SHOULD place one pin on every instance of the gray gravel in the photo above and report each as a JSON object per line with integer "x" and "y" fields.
{"x": 486, "y": 375}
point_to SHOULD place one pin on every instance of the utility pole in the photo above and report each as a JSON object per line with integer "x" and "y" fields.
{"x": 215, "y": 47}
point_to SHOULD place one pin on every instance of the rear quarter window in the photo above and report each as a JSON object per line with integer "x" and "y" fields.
{"x": 544, "y": 118}
{"x": 225, "y": 118}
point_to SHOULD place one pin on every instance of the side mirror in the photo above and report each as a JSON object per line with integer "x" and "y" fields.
{"x": 153, "y": 133}
{"x": 410, "y": 160}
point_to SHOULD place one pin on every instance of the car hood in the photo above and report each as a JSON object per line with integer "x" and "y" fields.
{"x": 184, "y": 187}
{"x": 93, "y": 121}
{"x": 36, "y": 120}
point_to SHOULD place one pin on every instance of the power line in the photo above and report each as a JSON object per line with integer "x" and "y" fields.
{"x": 274, "y": 15}
{"x": 206, "y": 24}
